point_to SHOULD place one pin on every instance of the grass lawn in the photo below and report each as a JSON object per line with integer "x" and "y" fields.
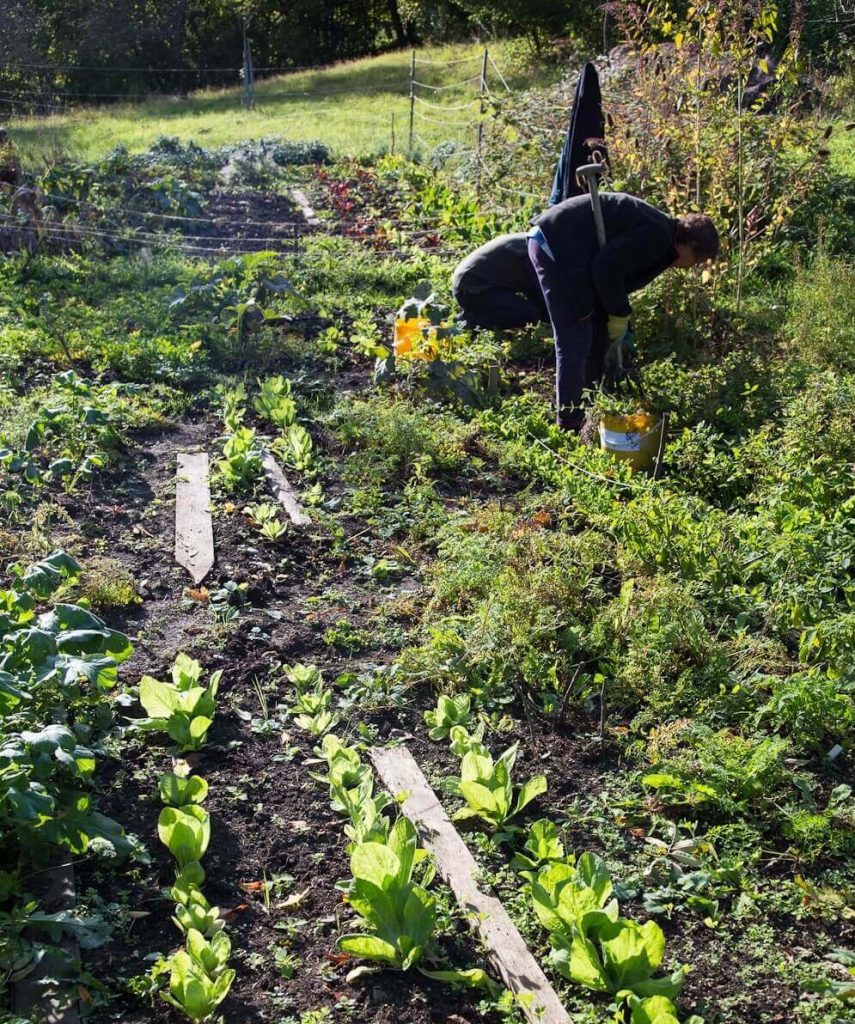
{"x": 354, "y": 107}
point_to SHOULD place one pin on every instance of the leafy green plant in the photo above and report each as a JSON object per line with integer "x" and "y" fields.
{"x": 295, "y": 447}
{"x": 183, "y": 709}
{"x": 541, "y": 847}
{"x": 265, "y": 517}
{"x": 449, "y": 712}
{"x": 311, "y": 710}
{"x": 240, "y": 466}
{"x": 178, "y": 790}
{"x": 194, "y": 912}
{"x": 463, "y": 741}
{"x": 489, "y": 793}
{"x": 399, "y": 915}
{"x": 185, "y": 832}
{"x": 211, "y": 955}
{"x": 591, "y": 944}
{"x": 192, "y": 990}
{"x": 351, "y": 787}
{"x": 274, "y": 401}
{"x": 654, "y": 1010}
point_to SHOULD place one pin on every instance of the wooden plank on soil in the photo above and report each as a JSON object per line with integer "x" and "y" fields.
{"x": 194, "y": 532}
{"x": 305, "y": 207}
{"x": 283, "y": 491}
{"x": 506, "y": 949}
{"x": 48, "y": 991}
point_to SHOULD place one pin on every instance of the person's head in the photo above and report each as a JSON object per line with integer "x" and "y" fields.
{"x": 696, "y": 240}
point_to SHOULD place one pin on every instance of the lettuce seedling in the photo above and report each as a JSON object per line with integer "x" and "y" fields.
{"x": 345, "y": 769}
{"x": 449, "y": 712}
{"x": 591, "y": 944}
{"x": 367, "y": 822}
{"x": 295, "y": 447}
{"x": 193, "y": 991}
{"x": 304, "y": 677}
{"x": 241, "y": 464}
{"x": 399, "y": 915}
{"x": 541, "y": 848}
{"x": 312, "y": 712}
{"x": 463, "y": 741}
{"x": 654, "y": 1010}
{"x": 619, "y": 957}
{"x": 195, "y": 912}
{"x": 212, "y": 956}
{"x": 183, "y": 709}
{"x": 185, "y": 832}
{"x": 178, "y": 790}
{"x": 486, "y": 787}
{"x": 571, "y": 898}
{"x": 274, "y": 401}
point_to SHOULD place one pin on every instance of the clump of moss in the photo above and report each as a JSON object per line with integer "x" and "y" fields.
{"x": 106, "y": 584}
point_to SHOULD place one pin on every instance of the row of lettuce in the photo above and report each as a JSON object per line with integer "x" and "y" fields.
{"x": 591, "y": 943}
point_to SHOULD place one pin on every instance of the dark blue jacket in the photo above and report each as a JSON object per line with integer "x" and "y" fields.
{"x": 639, "y": 246}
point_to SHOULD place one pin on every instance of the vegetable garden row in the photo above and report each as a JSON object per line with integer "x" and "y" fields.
{"x": 632, "y": 696}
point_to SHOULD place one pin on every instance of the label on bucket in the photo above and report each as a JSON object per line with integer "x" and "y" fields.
{"x": 621, "y": 440}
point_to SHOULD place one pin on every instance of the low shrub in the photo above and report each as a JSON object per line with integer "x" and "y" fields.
{"x": 821, "y": 320}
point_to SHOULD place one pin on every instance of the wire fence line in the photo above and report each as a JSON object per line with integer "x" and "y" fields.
{"x": 68, "y": 231}
{"x": 445, "y": 88}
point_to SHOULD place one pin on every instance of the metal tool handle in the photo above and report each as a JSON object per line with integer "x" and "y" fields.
{"x": 587, "y": 176}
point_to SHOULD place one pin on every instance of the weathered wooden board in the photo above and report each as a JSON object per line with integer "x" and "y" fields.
{"x": 305, "y": 207}
{"x": 194, "y": 532}
{"x": 48, "y": 991}
{"x": 283, "y": 491}
{"x": 505, "y": 947}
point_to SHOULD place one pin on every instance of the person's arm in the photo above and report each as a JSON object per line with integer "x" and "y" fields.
{"x": 619, "y": 257}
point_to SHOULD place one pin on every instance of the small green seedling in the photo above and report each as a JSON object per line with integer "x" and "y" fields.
{"x": 183, "y": 709}
{"x": 274, "y": 401}
{"x": 192, "y": 991}
{"x": 486, "y": 787}
{"x": 450, "y": 711}
{"x": 399, "y": 915}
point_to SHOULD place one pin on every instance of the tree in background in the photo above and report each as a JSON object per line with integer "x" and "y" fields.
{"x": 703, "y": 104}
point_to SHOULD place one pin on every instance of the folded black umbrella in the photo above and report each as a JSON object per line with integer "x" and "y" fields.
{"x": 585, "y": 134}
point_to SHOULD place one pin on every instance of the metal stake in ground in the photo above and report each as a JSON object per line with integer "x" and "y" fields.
{"x": 505, "y": 947}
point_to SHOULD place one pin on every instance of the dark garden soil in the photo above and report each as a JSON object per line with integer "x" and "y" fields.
{"x": 270, "y": 820}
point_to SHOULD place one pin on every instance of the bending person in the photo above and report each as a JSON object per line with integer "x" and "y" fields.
{"x": 497, "y": 288}
{"x": 582, "y": 285}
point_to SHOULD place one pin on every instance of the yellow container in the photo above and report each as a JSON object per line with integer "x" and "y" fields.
{"x": 410, "y": 340}
{"x": 634, "y": 439}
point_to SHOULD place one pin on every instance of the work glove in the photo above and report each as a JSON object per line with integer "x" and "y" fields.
{"x": 622, "y": 347}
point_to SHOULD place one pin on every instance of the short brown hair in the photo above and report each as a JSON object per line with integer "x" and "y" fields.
{"x": 698, "y": 231}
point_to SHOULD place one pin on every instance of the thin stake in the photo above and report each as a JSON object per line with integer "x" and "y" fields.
{"x": 412, "y": 99}
{"x": 482, "y": 92}
{"x": 657, "y": 469}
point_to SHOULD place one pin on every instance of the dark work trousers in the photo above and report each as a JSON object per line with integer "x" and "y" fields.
{"x": 499, "y": 309}
{"x": 580, "y": 345}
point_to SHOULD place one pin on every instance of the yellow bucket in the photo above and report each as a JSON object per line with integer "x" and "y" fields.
{"x": 410, "y": 341}
{"x": 634, "y": 439}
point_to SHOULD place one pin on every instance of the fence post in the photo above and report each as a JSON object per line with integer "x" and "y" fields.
{"x": 482, "y": 93}
{"x": 412, "y": 99}
{"x": 248, "y": 77}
